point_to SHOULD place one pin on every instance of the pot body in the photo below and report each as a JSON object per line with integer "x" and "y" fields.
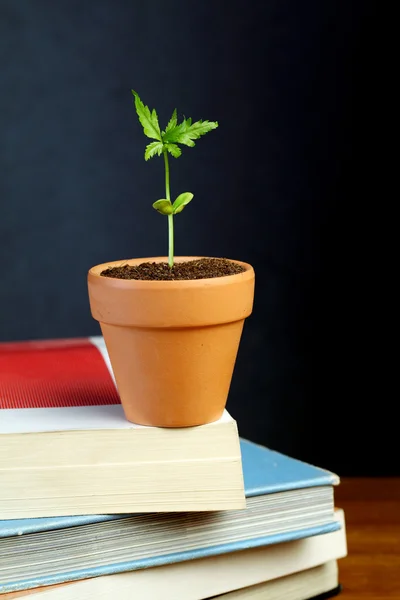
{"x": 172, "y": 344}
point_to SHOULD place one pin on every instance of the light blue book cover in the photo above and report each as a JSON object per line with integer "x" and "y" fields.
{"x": 265, "y": 472}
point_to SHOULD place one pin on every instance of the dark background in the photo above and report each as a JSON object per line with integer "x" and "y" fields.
{"x": 274, "y": 186}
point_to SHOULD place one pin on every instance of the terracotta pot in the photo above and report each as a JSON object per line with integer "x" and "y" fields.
{"x": 172, "y": 344}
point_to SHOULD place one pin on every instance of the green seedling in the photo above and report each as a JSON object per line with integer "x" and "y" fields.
{"x": 166, "y": 142}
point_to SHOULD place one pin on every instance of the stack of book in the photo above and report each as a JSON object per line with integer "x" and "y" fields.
{"x": 92, "y": 506}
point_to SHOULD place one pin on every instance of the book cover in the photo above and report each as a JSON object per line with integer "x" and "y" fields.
{"x": 56, "y": 373}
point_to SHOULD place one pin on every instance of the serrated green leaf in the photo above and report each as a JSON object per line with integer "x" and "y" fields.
{"x": 171, "y": 123}
{"x": 152, "y": 149}
{"x": 186, "y": 132}
{"x": 201, "y": 128}
{"x": 174, "y": 150}
{"x": 163, "y": 206}
{"x": 179, "y": 134}
{"x": 181, "y": 201}
{"x": 148, "y": 120}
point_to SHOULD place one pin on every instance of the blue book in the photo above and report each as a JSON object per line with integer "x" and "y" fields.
{"x": 286, "y": 500}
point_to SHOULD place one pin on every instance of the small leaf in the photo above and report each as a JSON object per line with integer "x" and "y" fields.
{"x": 179, "y": 134}
{"x": 171, "y": 123}
{"x": 152, "y": 149}
{"x": 149, "y": 120}
{"x": 174, "y": 150}
{"x": 163, "y": 206}
{"x": 186, "y": 132}
{"x": 181, "y": 201}
{"x": 201, "y": 128}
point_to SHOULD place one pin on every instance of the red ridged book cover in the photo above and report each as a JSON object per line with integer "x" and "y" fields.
{"x": 55, "y": 385}
{"x": 54, "y": 374}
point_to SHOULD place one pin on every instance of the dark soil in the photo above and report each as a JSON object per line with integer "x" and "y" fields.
{"x": 203, "y": 268}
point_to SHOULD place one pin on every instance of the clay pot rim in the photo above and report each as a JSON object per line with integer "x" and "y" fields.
{"x": 94, "y": 273}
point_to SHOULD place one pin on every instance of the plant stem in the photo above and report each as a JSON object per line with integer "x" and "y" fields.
{"x": 170, "y": 217}
{"x": 171, "y": 240}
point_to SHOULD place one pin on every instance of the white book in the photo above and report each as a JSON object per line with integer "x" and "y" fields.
{"x": 90, "y": 460}
{"x": 307, "y": 584}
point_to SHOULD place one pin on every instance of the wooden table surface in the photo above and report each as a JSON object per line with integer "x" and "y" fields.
{"x": 371, "y": 571}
